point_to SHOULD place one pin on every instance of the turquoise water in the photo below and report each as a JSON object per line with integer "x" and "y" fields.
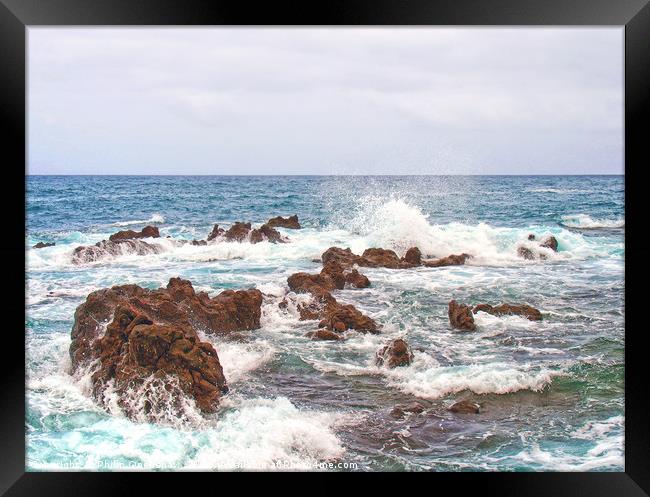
{"x": 551, "y": 392}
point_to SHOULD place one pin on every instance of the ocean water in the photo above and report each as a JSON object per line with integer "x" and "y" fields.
{"x": 551, "y": 392}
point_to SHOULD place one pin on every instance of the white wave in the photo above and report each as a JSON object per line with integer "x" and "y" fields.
{"x": 154, "y": 219}
{"x": 584, "y": 221}
{"x": 556, "y": 190}
{"x": 497, "y": 378}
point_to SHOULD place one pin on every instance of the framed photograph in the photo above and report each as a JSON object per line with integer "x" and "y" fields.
{"x": 365, "y": 238}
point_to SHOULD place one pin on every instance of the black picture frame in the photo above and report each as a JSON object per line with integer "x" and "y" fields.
{"x": 17, "y": 15}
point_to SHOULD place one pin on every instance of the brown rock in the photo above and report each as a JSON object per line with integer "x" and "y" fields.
{"x": 43, "y": 245}
{"x": 450, "y": 260}
{"x": 531, "y": 236}
{"x": 151, "y": 334}
{"x": 465, "y": 407}
{"x": 400, "y": 411}
{"x": 238, "y": 232}
{"x": 396, "y": 353}
{"x": 526, "y": 253}
{"x": 337, "y": 316}
{"x": 284, "y": 222}
{"x": 147, "y": 232}
{"x": 549, "y": 242}
{"x": 355, "y": 279}
{"x": 324, "y": 334}
{"x": 216, "y": 232}
{"x": 265, "y": 232}
{"x": 413, "y": 256}
{"x": 106, "y": 248}
{"x": 460, "y": 316}
{"x": 345, "y": 257}
{"x": 524, "y": 310}
{"x": 372, "y": 257}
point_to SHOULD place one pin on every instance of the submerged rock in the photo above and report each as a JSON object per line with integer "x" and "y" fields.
{"x": 324, "y": 334}
{"x": 465, "y": 407}
{"x": 460, "y": 316}
{"x": 401, "y": 410}
{"x": 549, "y": 242}
{"x": 394, "y": 354}
{"x": 40, "y": 245}
{"x": 531, "y": 252}
{"x": 132, "y": 336}
{"x": 524, "y": 310}
{"x": 106, "y": 248}
{"x": 146, "y": 232}
{"x": 284, "y": 222}
{"x": 526, "y": 253}
{"x": 450, "y": 260}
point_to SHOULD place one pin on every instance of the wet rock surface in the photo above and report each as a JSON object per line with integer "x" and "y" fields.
{"x": 461, "y": 317}
{"x": 524, "y": 310}
{"x": 146, "y": 232}
{"x": 395, "y": 354}
{"x": 40, "y": 245}
{"x": 132, "y": 336}
{"x": 290, "y": 222}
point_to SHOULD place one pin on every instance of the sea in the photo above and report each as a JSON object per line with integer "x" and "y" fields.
{"x": 551, "y": 392}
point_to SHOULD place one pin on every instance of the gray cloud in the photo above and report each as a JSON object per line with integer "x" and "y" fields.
{"x": 321, "y": 101}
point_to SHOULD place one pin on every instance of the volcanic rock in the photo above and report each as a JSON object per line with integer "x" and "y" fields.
{"x": 147, "y": 232}
{"x": 396, "y": 353}
{"x": 324, "y": 334}
{"x": 450, "y": 260}
{"x": 413, "y": 256}
{"x": 238, "y": 232}
{"x": 106, "y": 248}
{"x": 216, "y": 232}
{"x": 401, "y": 410}
{"x": 132, "y": 336}
{"x": 505, "y": 309}
{"x": 465, "y": 407}
{"x": 266, "y": 232}
{"x": 284, "y": 222}
{"x": 43, "y": 245}
{"x": 460, "y": 316}
{"x": 549, "y": 242}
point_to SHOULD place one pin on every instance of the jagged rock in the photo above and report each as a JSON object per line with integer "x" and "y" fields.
{"x": 43, "y": 245}
{"x": 238, "y": 232}
{"x": 266, "y": 232}
{"x": 460, "y": 316}
{"x": 284, "y": 222}
{"x": 357, "y": 280}
{"x": 524, "y": 310}
{"x": 134, "y": 335}
{"x": 549, "y": 242}
{"x": 465, "y": 407}
{"x": 450, "y": 260}
{"x": 106, "y": 248}
{"x": 147, "y": 232}
{"x": 372, "y": 257}
{"x": 216, "y": 232}
{"x": 324, "y": 334}
{"x": 341, "y": 317}
{"x": 394, "y": 354}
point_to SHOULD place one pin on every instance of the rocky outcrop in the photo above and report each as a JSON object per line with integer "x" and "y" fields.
{"x": 284, "y": 222}
{"x": 460, "y": 316}
{"x": 146, "y": 232}
{"x": 40, "y": 245}
{"x": 266, "y": 233}
{"x": 394, "y": 354}
{"x": 530, "y": 251}
{"x": 378, "y": 257}
{"x": 106, "y": 248}
{"x": 131, "y": 336}
{"x": 465, "y": 407}
{"x": 524, "y": 310}
{"x": 333, "y": 315}
{"x": 238, "y": 232}
{"x": 216, "y": 232}
{"x": 450, "y": 260}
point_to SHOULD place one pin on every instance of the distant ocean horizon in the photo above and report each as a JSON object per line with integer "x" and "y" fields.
{"x": 551, "y": 392}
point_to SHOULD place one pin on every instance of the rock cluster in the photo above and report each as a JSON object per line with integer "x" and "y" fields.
{"x": 530, "y": 253}
{"x": 379, "y": 257}
{"x": 129, "y": 335}
{"x": 284, "y": 222}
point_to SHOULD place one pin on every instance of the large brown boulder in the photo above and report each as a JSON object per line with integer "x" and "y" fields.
{"x": 450, "y": 260}
{"x": 106, "y": 248}
{"x": 524, "y": 310}
{"x": 284, "y": 222}
{"x": 345, "y": 257}
{"x": 341, "y": 317}
{"x": 460, "y": 316}
{"x": 238, "y": 232}
{"x": 413, "y": 256}
{"x": 394, "y": 354}
{"x": 146, "y": 232}
{"x": 132, "y": 336}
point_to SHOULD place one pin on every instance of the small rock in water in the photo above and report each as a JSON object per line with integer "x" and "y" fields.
{"x": 460, "y": 316}
{"x": 401, "y": 410}
{"x": 396, "y": 353}
{"x": 43, "y": 245}
{"x": 284, "y": 222}
{"x": 465, "y": 407}
{"x": 324, "y": 334}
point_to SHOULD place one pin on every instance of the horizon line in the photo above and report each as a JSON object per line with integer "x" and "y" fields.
{"x": 318, "y": 175}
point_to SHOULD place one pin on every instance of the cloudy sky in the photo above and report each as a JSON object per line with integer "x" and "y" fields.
{"x": 325, "y": 101}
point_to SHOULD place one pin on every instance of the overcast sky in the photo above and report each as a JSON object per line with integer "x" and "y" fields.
{"x": 325, "y": 101}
